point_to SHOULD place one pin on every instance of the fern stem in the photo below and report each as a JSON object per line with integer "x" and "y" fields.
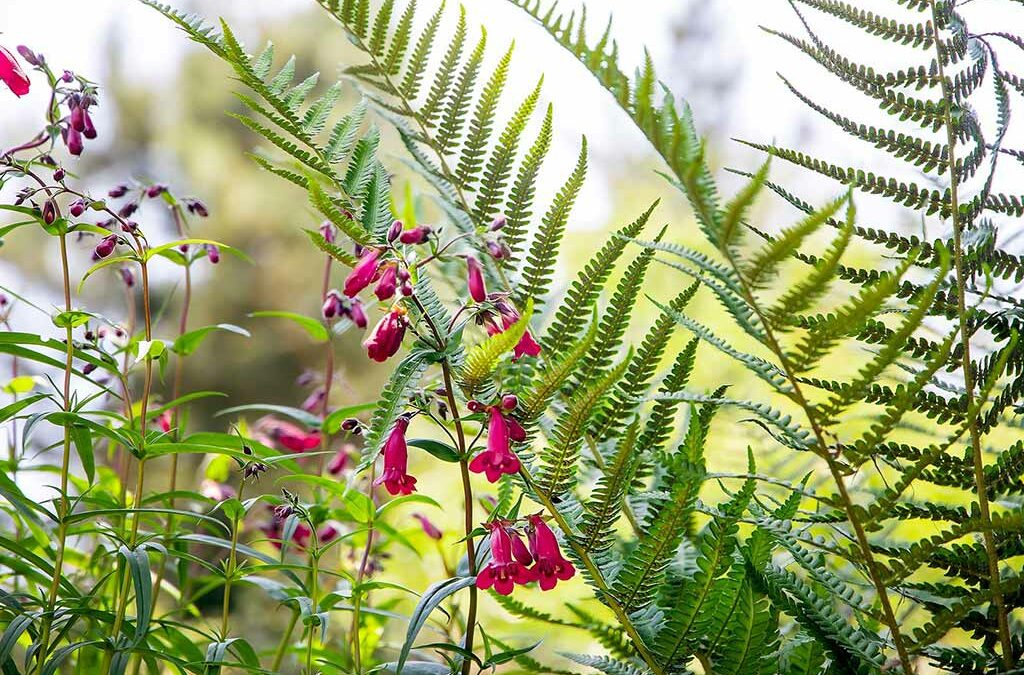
{"x": 967, "y": 365}
{"x": 627, "y": 508}
{"x": 595, "y": 573}
{"x": 834, "y": 469}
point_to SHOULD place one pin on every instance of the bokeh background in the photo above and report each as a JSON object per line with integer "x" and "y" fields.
{"x": 162, "y": 118}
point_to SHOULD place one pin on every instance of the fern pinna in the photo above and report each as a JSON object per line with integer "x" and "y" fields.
{"x": 931, "y": 427}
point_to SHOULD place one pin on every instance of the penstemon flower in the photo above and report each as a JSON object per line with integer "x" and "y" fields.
{"x": 504, "y": 570}
{"x": 387, "y": 284}
{"x": 290, "y": 436}
{"x": 498, "y": 458}
{"x": 363, "y": 274}
{"x": 396, "y": 461}
{"x": 508, "y": 315}
{"x": 415, "y": 235}
{"x": 550, "y": 567}
{"x": 12, "y": 74}
{"x": 429, "y": 528}
{"x": 386, "y": 337}
{"x": 475, "y": 279}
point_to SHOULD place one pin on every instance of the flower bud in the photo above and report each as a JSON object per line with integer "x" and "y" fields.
{"x": 475, "y": 279}
{"x": 349, "y": 424}
{"x": 394, "y": 230}
{"x": 429, "y": 528}
{"x": 77, "y": 207}
{"x": 282, "y": 511}
{"x": 128, "y": 209}
{"x": 68, "y": 76}
{"x": 90, "y": 130}
{"x": 388, "y": 281}
{"x": 498, "y": 223}
{"x": 131, "y": 226}
{"x": 509, "y": 401}
{"x": 496, "y": 250}
{"x": 327, "y": 231}
{"x": 127, "y": 277}
{"x": 338, "y": 462}
{"x": 77, "y": 115}
{"x": 118, "y": 191}
{"x": 88, "y": 368}
{"x": 106, "y": 246}
{"x": 196, "y": 207}
{"x": 155, "y": 190}
{"x": 30, "y": 56}
{"x": 416, "y": 235}
{"x": 332, "y": 305}
{"x": 58, "y": 175}
{"x": 476, "y": 406}
{"x": 49, "y": 212}
{"x": 406, "y": 289}
{"x": 212, "y": 253}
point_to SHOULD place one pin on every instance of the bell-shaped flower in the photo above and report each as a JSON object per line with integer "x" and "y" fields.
{"x": 388, "y": 283}
{"x": 396, "y": 462}
{"x": 12, "y": 74}
{"x": 498, "y": 458}
{"x": 503, "y": 571}
{"x": 386, "y": 337}
{"x": 550, "y": 566}
{"x": 291, "y": 436}
{"x": 363, "y": 274}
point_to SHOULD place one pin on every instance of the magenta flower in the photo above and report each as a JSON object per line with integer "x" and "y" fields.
{"x": 328, "y": 532}
{"x": 508, "y": 315}
{"x": 291, "y": 436}
{"x": 498, "y": 458}
{"x": 396, "y": 462}
{"x": 415, "y": 235}
{"x": 429, "y": 528}
{"x": 338, "y": 462}
{"x": 332, "y": 304}
{"x": 503, "y": 571}
{"x": 387, "y": 284}
{"x": 356, "y": 313}
{"x": 363, "y": 273}
{"x": 550, "y": 567}
{"x": 386, "y": 337}
{"x": 12, "y": 74}
{"x": 212, "y": 253}
{"x": 475, "y": 278}
{"x": 73, "y": 141}
{"x": 215, "y": 490}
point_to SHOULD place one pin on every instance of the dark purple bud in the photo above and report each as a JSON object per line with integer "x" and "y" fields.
{"x": 212, "y": 252}
{"x": 406, "y": 289}
{"x": 90, "y": 336}
{"x": 68, "y": 76}
{"x": 403, "y": 274}
{"x": 332, "y": 305}
{"x": 442, "y": 409}
{"x": 30, "y": 56}
{"x": 476, "y": 406}
{"x": 416, "y": 235}
{"x": 77, "y": 116}
{"x": 89, "y": 131}
{"x": 77, "y": 207}
{"x": 73, "y": 141}
{"x": 395, "y": 230}
{"x": 127, "y": 277}
{"x": 58, "y": 175}
{"x": 357, "y": 249}
{"x": 283, "y": 511}
{"x": 49, "y": 212}
{"x": 350, "y": 424}
{"x": 498, "y": 223}
{"x": 106, "y": 246}
{"x": 496, "y": 250}
{"x": 129, "y": 226}
{"x": 327, "y": 231}
{"x": 118, "y": 191}
{"x": 357, "y": 314}
{"x": 128, "y": 209}
{"x": 155, "y": 190}
{"x": 509, "y": 401}
{"x": 196, "y": 207}
{"x": 183, "y": 248}
{"x": 88, "y": 368}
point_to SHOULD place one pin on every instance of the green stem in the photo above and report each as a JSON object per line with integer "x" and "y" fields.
{"x": 282, "y": 646}
{"x": 229, "y": 570}
{"x": 354, "y": 630}
{"x": 313, "y": 592}
{"x": 967, "y": 365}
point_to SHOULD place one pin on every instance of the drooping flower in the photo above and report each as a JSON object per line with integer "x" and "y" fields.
{"x": 73, "y": 141}
{"x": 356, "y": 313}
{"x": 328, "y": 532}
{"x": 503, "y": 571}
{"x": 508, "y": 315}
{"x": 498, "y": 458}
{"x": 396, "y": 461}
{"x": 363, "y": 273}
{"x": 550, "y": 567}
{"x": 216, "y": 490}
{"x": 429, "y": 528}
{"x": 475, "y": 279}
{"x": 290, "y": 436}
{"x": 12, "y": 74}
{"x": 386, "y": 337}
{"x": 388, "y": 283}
{"x": 338, "y": 462}
{"x": 332, "y": 304}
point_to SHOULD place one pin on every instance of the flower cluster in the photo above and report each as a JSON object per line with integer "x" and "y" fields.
{"x": 502, "y": 430}
{"x": 512, "y": 562}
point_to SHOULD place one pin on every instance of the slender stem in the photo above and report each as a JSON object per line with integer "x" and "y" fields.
{"x": 354, "y": 637}
{"x": 229, "y": 570}
{"x": 282, "y": 646}
{"x": 63, "y": 504}
{"x": 328, "y": 373}
{"x": 967, "y": 365}
{"x": 314, "y": 559}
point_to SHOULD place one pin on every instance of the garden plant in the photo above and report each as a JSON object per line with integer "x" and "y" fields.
{"x": 883, "y": 360}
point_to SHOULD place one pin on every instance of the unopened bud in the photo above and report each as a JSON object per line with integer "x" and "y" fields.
{"x": 49, "y": 212}
{"x": 127, "y": 277}
{"x": 155, "y": 190}
{"x": 88, "y": 368}
{"x": 496, "y": 250}
{"x": 498, "y": 223}
{"x": 68, "y": 76}
{"x": 416, "y": 235}
{"x": 327, "y": 231}
{"x": 350, "y": 424}
{"x": 128, "y": 209}
{"x": 73, "y": 141}
{"x": 77, "y": 115}
{"x": 106, "y": 246}
{"x": 77, "y": 207}
{"x": 395, "y": 230}
{"x": 196, "y": 207}
{"x": 406, "y": 289}
{"x": 118, "y": 191}
{"x": 476, "y": 406}
{"x": 212, "y": 253}
{"x": 30, "y": 56}
{"x": 332, "y": 306}
{"x": 509, "y": 401}
{"x": 357, "y": 314}
{"x": 58, "y": 175}
{"x": 90, "y": 130}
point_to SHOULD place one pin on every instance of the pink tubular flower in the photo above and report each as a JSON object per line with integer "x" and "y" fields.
{"x": 508, "y": 315}
{"x": 503, "y": 571}
{"x": 475, "y": 279}
{"x": 338, "y": 462}
{"x": 216, "y": 491}
{"x": 291, "y": 436}
{"x": 415, "y": 235}
{"x": 332, "y": 304}
{"x": 429, "y": 528}
{"x": 73, "y": 141}
{"x": 396, "y": 462}
{"x": 498, "y": 458}
{"x": 363, "y": 273}
{"x": 357, "y": 314}
{"x": 328, "y": 532}
{"x": 550, "y": 567}
{"x": 387, "y": 335}
{"x": 388, "y": 283}
{"x": 12, "y": 74}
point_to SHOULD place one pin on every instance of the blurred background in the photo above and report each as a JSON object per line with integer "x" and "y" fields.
{"x": 162, "y": 118}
